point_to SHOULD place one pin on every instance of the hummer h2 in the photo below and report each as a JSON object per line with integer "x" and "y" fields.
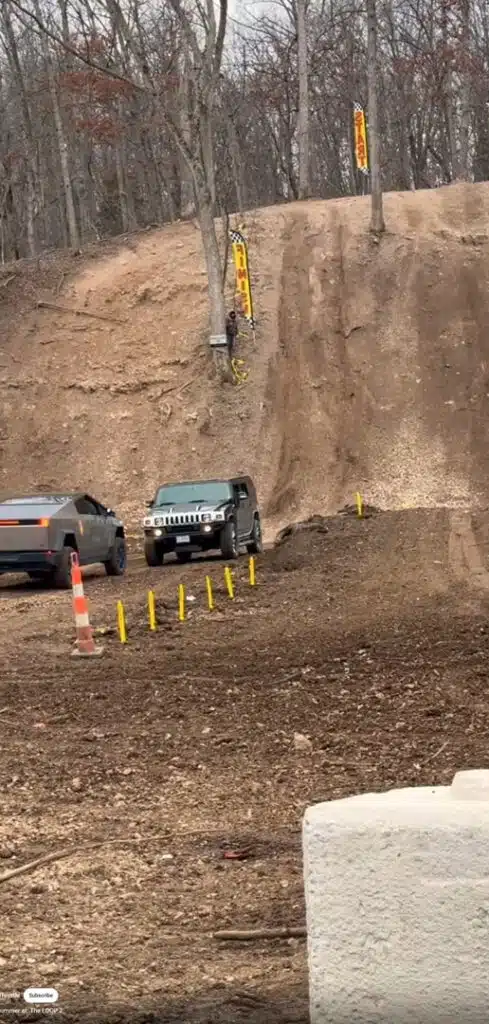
{"x": 202, "y": 515}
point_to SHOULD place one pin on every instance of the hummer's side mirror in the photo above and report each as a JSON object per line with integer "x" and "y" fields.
{"x": 148, "y": 504}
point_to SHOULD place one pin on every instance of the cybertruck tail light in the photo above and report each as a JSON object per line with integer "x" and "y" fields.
{"x": 24, "y": 522}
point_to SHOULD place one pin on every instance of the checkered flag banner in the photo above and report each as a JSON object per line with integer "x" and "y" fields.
{"x": 360, "y": 136}
{"x": 243, "y": 284}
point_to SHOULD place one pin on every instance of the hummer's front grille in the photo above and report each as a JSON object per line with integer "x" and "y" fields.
{"x": 182, "y": 519}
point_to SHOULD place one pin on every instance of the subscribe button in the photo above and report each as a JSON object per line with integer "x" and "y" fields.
{"x": 40, "y": 995}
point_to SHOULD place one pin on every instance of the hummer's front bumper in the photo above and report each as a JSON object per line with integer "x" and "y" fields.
{"x": 185, "y": 538}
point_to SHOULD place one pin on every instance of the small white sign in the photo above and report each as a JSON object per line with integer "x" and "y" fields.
{"x": 183, "y": 540}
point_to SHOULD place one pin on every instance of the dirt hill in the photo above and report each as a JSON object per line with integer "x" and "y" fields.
{"x": 370, "y": 368}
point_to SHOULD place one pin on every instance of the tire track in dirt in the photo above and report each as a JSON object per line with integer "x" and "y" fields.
{"x": 284, "y": 399}
{"x": 310, "y": 385}
{"x": 463, "y": 552}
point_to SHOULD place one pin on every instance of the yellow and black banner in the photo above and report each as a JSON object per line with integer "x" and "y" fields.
{"x": 360, "y": 134}
{"x": 243, "y": 284}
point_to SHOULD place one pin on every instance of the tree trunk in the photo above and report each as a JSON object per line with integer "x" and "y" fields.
{"x": 207, "y": 147}
{"x": 73, "y": 234}
{"x": 451, "y": 138}
{"x": 463, "y": 163}
{"x": 303, "y": 117}
{"x": 121, "y": 188}
{"x": 237, "y": 163}
{"x": 30, "y": 148}
{"x": 212, "y": 261}
{"x": 187, "y": 197}
{"x": 377, "y": 215}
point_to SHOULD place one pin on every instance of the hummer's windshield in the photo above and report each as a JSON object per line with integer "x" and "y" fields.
{"x": 193, "y": 494}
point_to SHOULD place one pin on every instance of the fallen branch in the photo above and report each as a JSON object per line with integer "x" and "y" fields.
{"x": 261, "y": 933}
{"x": 49, "y": 858}
{"x": 437, "y": 752}
{"x": 178, "y": 388}
{"x": 3, "y": 284}
{"x": 78, "y": 312}
{"x": 33, "y": 864}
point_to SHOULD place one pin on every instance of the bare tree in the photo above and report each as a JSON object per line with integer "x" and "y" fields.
{"x": 377, "y": 216}
{"x": 125, "y": 123}
{"x": 73, "y": 234}
{"x": 303, "y": 117}
{"x": 204, "y": 63}
{"x": 28, "y": 131}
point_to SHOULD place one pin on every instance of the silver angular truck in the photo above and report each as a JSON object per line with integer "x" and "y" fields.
{"x": 38, "y": 534}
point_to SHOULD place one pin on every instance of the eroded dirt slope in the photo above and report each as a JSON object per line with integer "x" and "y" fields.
{"x": 369, "y": 369}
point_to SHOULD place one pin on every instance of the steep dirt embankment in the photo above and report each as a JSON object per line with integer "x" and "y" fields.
{"x": 387, "y": 390}
{"x": 370, "y": 369}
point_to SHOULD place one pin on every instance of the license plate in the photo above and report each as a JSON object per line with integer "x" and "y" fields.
{"x": 183, "y": 540}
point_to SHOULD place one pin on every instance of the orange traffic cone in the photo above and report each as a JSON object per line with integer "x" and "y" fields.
{"x": 85, "y": 644}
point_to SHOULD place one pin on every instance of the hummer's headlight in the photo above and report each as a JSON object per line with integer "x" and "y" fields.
{"x": 147, "y": 521}
{"x": 218, "y": 516}
{"x": 206, "y": 517}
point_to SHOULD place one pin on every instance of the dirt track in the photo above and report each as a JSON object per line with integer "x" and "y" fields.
{"x": 370, "y": 639}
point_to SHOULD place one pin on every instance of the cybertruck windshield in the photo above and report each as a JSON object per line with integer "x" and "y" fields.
{"x": 193, "y": 494}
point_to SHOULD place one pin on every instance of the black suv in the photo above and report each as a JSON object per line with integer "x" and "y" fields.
{"x": 202, "y": 515}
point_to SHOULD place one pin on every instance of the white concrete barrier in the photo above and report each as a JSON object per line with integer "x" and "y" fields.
{"x": 397, "y": 901}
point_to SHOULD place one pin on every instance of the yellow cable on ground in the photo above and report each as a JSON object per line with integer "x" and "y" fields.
{"x": 240, "y": 375}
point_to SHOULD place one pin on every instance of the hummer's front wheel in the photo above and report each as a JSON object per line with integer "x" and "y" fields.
{"x": 153, "y": 552}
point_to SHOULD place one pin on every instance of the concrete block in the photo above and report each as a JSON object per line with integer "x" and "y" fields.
{"x": 397, "y": 903}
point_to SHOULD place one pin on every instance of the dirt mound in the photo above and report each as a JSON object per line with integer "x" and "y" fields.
{"x": 369, "y": 370}
{"x": 319, "y": 524}
{"x": 389, "y": 544}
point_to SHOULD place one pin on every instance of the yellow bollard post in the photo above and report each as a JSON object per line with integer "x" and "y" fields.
{"x": 152, "y": 610}
{"x": 121, "y": 622}
{"x": 229, "y": 582}
{"x": 181, "y": 602}
{"x": 252, "y": 572}
{"x": 210, "y": 598}
{"x": 359, "y": 504}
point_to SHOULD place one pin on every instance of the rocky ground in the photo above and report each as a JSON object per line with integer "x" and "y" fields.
{"x": 358, "y": 662}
